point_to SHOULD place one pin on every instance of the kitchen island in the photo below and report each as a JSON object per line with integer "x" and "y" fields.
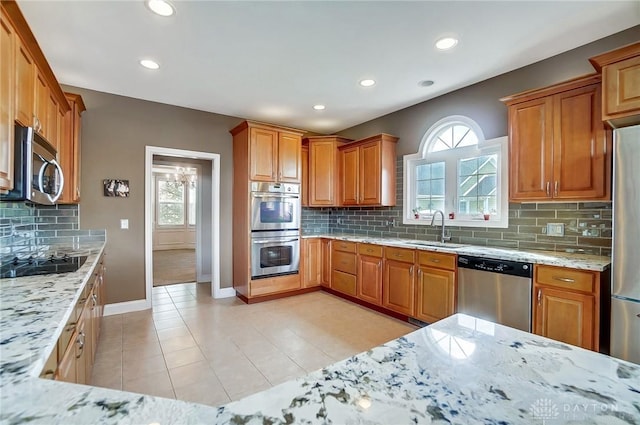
{"x": 460, "y": 370}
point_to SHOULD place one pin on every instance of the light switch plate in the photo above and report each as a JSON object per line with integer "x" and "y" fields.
{"x": 555, "y": 229}
{"x": 124, "y": 223}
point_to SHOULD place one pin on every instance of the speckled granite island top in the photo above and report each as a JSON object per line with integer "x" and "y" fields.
{"x": 550, "y": 258}
{"x": 459, "y": 371}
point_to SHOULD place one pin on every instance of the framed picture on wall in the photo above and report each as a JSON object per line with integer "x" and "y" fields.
{"x": 116, "y": 188}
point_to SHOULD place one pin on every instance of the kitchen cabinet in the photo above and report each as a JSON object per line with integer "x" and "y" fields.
{"x": 369, "y": 273}
{"x": 304, "y": 190}
{"x": 553, "y": 132}
{"x": 436, "y": 286}
{"x": 368, "y": 171}
{"x": 398, "y": 285}
{"x": 7, "y": 95}
{"x": 69, "y": 153}
{"x": 25, "y": 79}
{"x": 343, "y": 267}
{"x": 41, "y": 105}
{"x": 325, "y": 272}
{"x": 566, "y": 305}
{"x": 312, "y": 259}
{"x": 620, "y": 70}
{"x": 324, "y": 179}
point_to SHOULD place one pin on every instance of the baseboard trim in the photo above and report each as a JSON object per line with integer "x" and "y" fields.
{"x": 126, "y": 307}
{"x": 224, "y": 293}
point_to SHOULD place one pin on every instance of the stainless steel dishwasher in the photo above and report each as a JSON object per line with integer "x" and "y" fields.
{"x": 495, "y": 290}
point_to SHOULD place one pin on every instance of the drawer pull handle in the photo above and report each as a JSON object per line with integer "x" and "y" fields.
{"x": 434, "y": 260}
{"x": 564, "y": 279}
{"x": 399, "y": 254}
{"x": 49, "y": 374}
{"x": 343, "y": 262}
{"x": 369, "y": 250}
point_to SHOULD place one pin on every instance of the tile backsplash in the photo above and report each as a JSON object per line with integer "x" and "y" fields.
{"x": 28, "y": 227}
{"x": 587, "y": 225}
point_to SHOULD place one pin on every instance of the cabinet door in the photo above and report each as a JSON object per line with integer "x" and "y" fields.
{"x": 565, "y": 316}
{"x": 369, "y": 279}
{"x": 41, "y": 104}
{"x": 322, "y": 174}
{"x": 436, "y": 296}
{"x": 263, "y": 151}
{"x": 349, "y": 175}
{"x": 579, "y": 143}
{"x": 370, "y": 174}
{"x": 398, "y": 290}
{"x": 289, "y": 167}
{"x": 325, "y": 272}
{"x": 25, "y": 78}
{"x": 7, "y": 93}
{"x": 622, "y": 88}
{"x": 53, "y": 123}
{"x": 313, "y": 262}
{"x": 70, "y": 147}
{"x": 304, "y": 192}
{"x": 67, "y": 367}
{"x": 530, "y": 150}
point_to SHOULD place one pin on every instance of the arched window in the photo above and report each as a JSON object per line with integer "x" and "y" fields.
{"x": 458, "y": 172}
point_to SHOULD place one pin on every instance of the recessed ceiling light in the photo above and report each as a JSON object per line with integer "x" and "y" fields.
{"x": 446, "y": 43}
{"x": 161, "y": 7}
{"x": 318, "y": 107}
{"x": 425, "y": 83}
{"x": 367, "y": 83}
{"x": 148, "y": 63}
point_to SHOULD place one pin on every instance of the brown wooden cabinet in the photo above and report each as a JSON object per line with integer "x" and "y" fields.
{"x": 25, "y": 79}
{"x": 7, "y": 95}
{"x": 312, "y": 260}
{"x": 368, "y": 171}
{"x": 398, "y": 284}
{"x": 620, "y": 84}
{"x": 436, "y": 286}
{"x": 343, "y": 267}
{"x": 566, "y": 305}
{"x": 274, "y": 153}
{"x": 304, "y": 185}
{"x": 369, "y": 273}
{"x": 69, "y": 153}
{"x": 552, "y": 133}
{"x": 324, "y": 181}
{"x": 41, "y": 105}
{"x": 325, "y": 272}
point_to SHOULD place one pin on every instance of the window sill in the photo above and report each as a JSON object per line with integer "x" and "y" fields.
{"x": 495, "y": 224}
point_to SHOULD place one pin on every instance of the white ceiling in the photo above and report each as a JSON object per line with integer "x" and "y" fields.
{"x": 272, "y": 61}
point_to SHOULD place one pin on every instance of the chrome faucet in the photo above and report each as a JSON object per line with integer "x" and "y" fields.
{"x": 444, "y": 236}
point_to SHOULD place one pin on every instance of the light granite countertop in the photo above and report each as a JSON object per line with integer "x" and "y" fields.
{"x": 460, "y": 370}
{"x": 550, "y": 258}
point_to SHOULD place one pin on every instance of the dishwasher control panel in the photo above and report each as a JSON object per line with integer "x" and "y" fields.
{"x": 514, "y": 268}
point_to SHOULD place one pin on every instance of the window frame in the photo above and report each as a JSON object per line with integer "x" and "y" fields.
{"x": 186, "y": 205}
{"x": 453, "y": 156}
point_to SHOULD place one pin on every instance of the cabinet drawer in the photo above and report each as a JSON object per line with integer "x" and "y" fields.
{"x": 561, "y": 277}
{"x": 274, "y": 285}
{"x": 400, "y": 254}
{"x": 344, "y": 246}
{"x": 370, "y": 250}
{"x": 344, "y": 261}
{"x": 343, "y": 282}
{"x": 437, "y": 259}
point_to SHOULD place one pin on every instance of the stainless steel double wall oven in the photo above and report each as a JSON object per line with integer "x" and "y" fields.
{"x": 275, "y": 229}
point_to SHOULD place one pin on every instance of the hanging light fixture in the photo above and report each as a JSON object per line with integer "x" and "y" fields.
{"x": 185, "y": 176}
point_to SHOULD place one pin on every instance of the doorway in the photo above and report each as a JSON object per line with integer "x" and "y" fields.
{"x": 207, "y": 216}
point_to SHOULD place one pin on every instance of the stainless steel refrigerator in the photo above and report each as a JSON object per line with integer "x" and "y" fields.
{"x": 625, "y": 272}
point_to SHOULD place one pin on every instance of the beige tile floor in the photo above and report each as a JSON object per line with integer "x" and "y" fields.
{"x": 194, "y": 348}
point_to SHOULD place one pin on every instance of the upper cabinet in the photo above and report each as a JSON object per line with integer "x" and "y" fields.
{"x": 324, "y": 185}
{"x": 368, "y": 171}
{"x": 274, "y": 152}
{"x": 7, "y": 95}
{"x": 620, "y": 84}
{"x": 69, "y": 151}
{"x": 304, "y": 193}
{"x": 553, "y": 132}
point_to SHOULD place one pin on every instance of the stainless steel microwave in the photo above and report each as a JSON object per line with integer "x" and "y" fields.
{"x": 37, "y": 176}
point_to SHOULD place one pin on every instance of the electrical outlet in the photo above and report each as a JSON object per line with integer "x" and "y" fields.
{"x": 555, "y": 229}
{"x": 124, "y": 223}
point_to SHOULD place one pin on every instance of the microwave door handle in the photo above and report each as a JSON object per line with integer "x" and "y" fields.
{"x": 61, "y": 185}
{"x": 46, "y": 163}
{"x": 275, "y": 241}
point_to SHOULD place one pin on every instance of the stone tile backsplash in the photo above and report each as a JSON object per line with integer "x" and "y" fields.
{"x": 26, "y": 227}
{"x": 587, "y": 225}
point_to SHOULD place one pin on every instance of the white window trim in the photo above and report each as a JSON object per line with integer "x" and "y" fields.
{"x": 499, "y": 144}
{"x": 156, "y": 223}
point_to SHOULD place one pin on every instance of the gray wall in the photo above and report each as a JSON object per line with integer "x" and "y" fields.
{"x": 115, "y": 131}
{"x": 481, "y": 101}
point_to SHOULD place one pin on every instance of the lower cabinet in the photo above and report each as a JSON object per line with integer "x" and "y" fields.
{"x": 566, "y": 305}
{"x": 325, "y": 254}
{"x": 343, "y": 267}
{"x": 436, "y": 286}
{"x": 311, "y": 262}
{"x": 369, "y": 273}
{"x": 398, "y": 284}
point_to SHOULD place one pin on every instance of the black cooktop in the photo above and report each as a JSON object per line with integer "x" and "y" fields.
{"x": 30, "y": 266}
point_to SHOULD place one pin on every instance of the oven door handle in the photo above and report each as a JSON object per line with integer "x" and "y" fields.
{"x": 275, "y": 241}
{"x": 274, "y": 195}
